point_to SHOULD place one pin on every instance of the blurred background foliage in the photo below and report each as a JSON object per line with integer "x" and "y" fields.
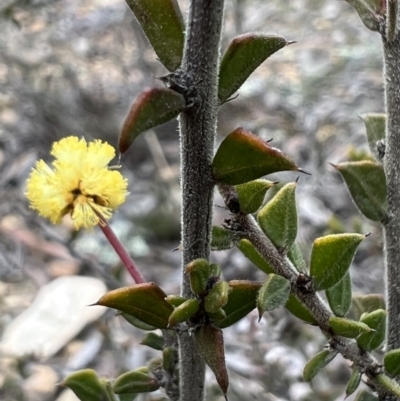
{"x": 73, "y": 68}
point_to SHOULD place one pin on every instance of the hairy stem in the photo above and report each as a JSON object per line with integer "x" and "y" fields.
{"x": 392, "y": 170}
{"x": 198, "y": 76}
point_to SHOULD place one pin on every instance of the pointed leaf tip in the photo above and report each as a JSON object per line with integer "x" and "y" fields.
{"x": 152, "y": 107}
{"x": 244, "y": 157}
{"x": 210, "y": 344}
{"x": 303, "y": 171}
{"x": 251, "y": 195}
{"x": 348, "y": 328}
{"x": 145, "y": 302}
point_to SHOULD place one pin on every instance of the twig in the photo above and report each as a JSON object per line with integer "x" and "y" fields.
{"x": 282, "y": 266}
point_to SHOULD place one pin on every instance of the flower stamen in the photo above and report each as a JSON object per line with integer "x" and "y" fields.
{"x": 78, "y": 183}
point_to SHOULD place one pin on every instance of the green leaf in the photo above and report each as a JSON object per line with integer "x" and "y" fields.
{"x": 244, "y": 157}
{"x": 273, "y": 294}
{"x": 354, "y": 381}
{"x": 251, "y": 195}
{"x": 153, "y": 340}
{"x": 278, "y": 218}
{"x": 366, "y": 182}
{"x": 199, "y": 273}
{"x": 175, "y": 300}
{"x": 241, "y": 301}
{"x": 370, "y": 12}
{"x": 170, "y": 359}
{"x": 162, "y": 23}
{"x": 348, "y": 328}
{"x": 318, "y": 362}
{"x": 244, "y": 54}
{"x": 210, "y": 344}
{"x": 331, "y": 257}
{"x": 251, "y": 253}
{"x": 388, "y": 385}
{"x": 375, "y": 123}
{"x": 392, "y": 362}
{"x": 365, "y": 395}
{"x": 223, "y": 239}
{"x": 217, "y": 297}
{"x": 128, "y": 397}
{"x": 217, "y": 316}
{"x": 135, "y": 382}
{"x": 339, "y": 296}
{"x": 86, "y": 385}
{"x": 296, "y": 257}
{"x": 376, "y": 320}
{"x": 296, "y": 308}
{"x": 366, "y": 304}
{"x": 153, "y": 107}
{"x": 137, "y": 322}
{"x": 293, "y": 305}
{"x": 183, "y": 312}
{"x": 145, "y": 301}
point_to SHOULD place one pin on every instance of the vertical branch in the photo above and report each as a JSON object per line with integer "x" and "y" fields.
{"x": 198, "y": 76}
{"x": 391, "y": 18}
{"x": 392, "y": 169}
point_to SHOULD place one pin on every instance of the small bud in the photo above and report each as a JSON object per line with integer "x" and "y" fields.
{"x": 199, "y": 272}
{"x": 217, "y": 297}
{"x": 183, "y": 312}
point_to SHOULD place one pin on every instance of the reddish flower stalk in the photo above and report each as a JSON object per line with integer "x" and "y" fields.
{"x": 121, "y": 251}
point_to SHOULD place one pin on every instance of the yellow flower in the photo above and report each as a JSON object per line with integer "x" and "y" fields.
{"x": 78, "y": 183}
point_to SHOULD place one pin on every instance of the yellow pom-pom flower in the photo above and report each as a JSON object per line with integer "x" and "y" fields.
{"x": 79, "y": 183}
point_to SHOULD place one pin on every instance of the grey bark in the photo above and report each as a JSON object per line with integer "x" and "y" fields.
{"x": 392, "y": 170}
{"x": 198, "y": 81}
{"x": 391, "y": 51}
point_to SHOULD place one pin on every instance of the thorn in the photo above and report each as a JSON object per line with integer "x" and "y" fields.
{"x": 297, "y": 179}
{"x": 163, "y": 78}
{"x": 275, "y": 183}
{"x": 178, "y": 248}
{"x": 291, "y": 42}
{"x": 269, "y": 140}
{"x": 95, "y": 304}
{"x": 367, "y": 235}
{"x": 303, "y": 171}
{"x": 335, "y": 166}
{"x": 230, "y": 99}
